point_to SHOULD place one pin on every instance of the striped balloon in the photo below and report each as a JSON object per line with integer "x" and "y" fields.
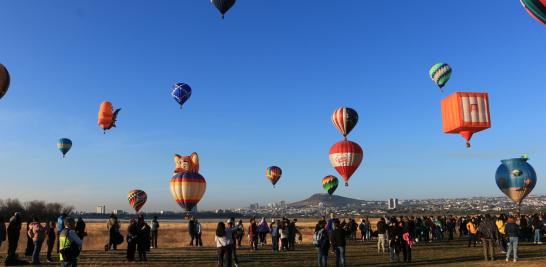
{"x": 329, "y": 183}
{"x": 440, "y": 74}
{"x": 345, "y": 157}
{"x": 137, "y": 198}
{"x": 4, "y": 80}
{"x": 344, "y": 119}
{"x": 187, "y": 189}
{"x": 536, "y": 8}
{"x": 181, "y": 93}
{"x": 64, "y": 145}
{"x": 223, "y": 5}
{"x": 273, "y": 173}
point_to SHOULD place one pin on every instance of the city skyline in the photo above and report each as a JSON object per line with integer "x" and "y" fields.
{"x": 264, "y": 87}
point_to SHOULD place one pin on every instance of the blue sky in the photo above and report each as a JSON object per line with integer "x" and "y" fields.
{"x": 265, "y": 81}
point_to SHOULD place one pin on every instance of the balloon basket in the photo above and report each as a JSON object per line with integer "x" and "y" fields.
{"x": 346, "y": 184}
{"x": 467, "y": 144}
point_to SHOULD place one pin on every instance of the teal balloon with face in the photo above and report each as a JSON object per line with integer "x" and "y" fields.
{"x": 516, "y": 178}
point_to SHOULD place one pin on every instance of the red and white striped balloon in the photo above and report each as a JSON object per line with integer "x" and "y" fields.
{"x": 345, "y": 157}
{"x": 345, "y": 119}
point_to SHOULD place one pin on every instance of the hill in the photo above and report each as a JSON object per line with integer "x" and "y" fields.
{"x": 327, "y": 201}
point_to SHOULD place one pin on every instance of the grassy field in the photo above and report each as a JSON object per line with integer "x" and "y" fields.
{"x": 174, "y": 252}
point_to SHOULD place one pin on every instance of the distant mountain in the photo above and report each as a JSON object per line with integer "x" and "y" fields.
{"x": 327, "y": 201}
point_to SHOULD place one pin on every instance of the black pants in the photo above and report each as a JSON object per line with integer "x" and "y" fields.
{"x": 154, "y": 238}
{"x": 192, "y": 236}
{"x": 262, "y": 238}
{"x": 450, "y": 235}
{"x": 472, "y": 239}
{"x": 406, "y": 250}
{"x": 111, "y": 239}
{"x": 50, "y": 245}
{"x": 224, "y": 256}
{"x": 234, "y": 249}
{"x": 198, "y": 240}
{"x": 13, "y": 240}
{"x": 284, "y": 242}
{"x": 239, "y": 239}
{"x": 141, "y": 247}
{"x": 131, "y": 249}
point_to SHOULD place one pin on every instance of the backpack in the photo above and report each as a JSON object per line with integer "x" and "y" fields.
{"x": 317, "y": 237}
{"x": 70, "y": 252}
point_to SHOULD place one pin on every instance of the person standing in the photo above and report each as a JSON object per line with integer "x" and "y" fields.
{"x": 113, "y": 232}
{"x": 322, "y": 242}
{"x": 223, "y": 245}
{"x": 36, "y": 232}
{"x": 275, "y": 235}
{"x": 488, "y": 232}
{"x": 472, "y": 229}
{"x": 80, "y": 229}
{"x": 198, "y": 232}
{"x": 407, "y": 241}
{"x": 537, "y": 229}
{"x": 143, "y": 239}
{"x": 284, "y": 235}
{"x": 60, "y": 227}
{"x": 395, "y": 241}
{"x": 240, "y": 232}
{"x": 362, "y": 227}
{"x": 381, "y": 234}
{"x": 339, "y": 242}
{"x": 14, "y": 231}
{"x": 263, "y": 229}
{"x": 70, "y": 244}
{"x": 154, "y": 231}
{"x": 50, "y": 231}
{"x": 231, "y": 233}
{"x": 292, "y": 232}
{"x": 132, "y": 239}
{"x": 501, "y": 224}
{"x": 512, "y": 230}
{"x": 2, "y": 231}
{"x": 191, "y": 230}
{"x": 30, "y": 243}
{"x": 253, "y": 234}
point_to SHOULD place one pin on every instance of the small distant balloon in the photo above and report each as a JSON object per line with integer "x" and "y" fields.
{"x": 223, "y": 5}
{"x": 64, "y": 145}
{"x": 181, "y": 93}
{"x": 330, "y": 183}
{"x": 345, "y": 119}
{"x": 273, "y": 173}
{"x": 4, "y": 80}
{"x": 440, "y": 74}
{"x": 137, "y": 198}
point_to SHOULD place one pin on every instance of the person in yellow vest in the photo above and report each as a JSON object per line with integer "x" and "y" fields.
{"x": 472, "y": 232}
{"x": 70, "y": 244}
{"x": 501, "y": 224}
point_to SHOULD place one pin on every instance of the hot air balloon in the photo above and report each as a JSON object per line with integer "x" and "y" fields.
{"x": 107, "y": 116}
{"x": 440, "y": 74}
{"x": 345, "y": 157}
{"x": 516, "y": 179}
{"x": 187, "y": 189}
{"x": 64, "y": 145}
{"x": 536, "y": 8}
{"x": 137, "y": 198}
{"x": 329, "y": 183}
{"x": 344, "y": 119}
{"x": 466, "y": 114}
{"x": 4, "y": 80}
{"x": 273, "y": 173}
{"x": 181, "y": 93}
{"x": 223, "y": 5}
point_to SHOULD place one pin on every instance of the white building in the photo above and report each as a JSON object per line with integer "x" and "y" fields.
{"x": 393, "y": 203}
{"x": 101, "y": 209}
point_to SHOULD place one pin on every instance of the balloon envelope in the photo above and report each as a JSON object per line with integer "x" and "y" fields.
{"x": 181, "y": 93}
{"x": 536, "y": 8}
{"x": 273, "y": 173}
{"x": 223, "y": 5}
{"x": 187, "y": 189}
{"x": 64, "y": 145}
{"x": 137, "y": 198}
{"x": 440, "y": 74}
{"x": 4, "y": 80}
{"x": 345, "y": 119}
{"x": 516, "y": 178}
{"x": 107, "y": 115}
{"x": 345, "y": 157}
{"x": 330, "y": 183}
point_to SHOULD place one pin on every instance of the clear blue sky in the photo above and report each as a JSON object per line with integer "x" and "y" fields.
{"x": 265, "y": 82}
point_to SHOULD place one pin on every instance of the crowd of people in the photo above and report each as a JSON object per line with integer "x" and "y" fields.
{"x": 394, "y": 235}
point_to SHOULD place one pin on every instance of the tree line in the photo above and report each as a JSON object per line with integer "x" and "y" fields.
{"x": 36, "y": 208}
